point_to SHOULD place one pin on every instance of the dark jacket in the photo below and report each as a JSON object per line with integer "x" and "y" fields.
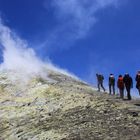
{"x": 128, "y": 81}
{"x": 137, "y": 80}
{"x": 111, "y": 80}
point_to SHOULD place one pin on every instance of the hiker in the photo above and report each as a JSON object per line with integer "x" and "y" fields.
{"x": 138, "y": 81}
{"x": 111, "y": 84}
{"x": 100, "y": 79}
{"x": 120, "y": 85}
{"x": 128, "y": 82}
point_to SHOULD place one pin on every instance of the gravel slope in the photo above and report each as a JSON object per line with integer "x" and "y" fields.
{"x": 63, "y": 108}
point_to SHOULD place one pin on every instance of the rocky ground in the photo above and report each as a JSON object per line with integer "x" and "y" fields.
{"x": 63, "y": 108}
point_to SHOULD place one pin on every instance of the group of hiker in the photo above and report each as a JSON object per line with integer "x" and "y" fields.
{"x": 123, "y": 82}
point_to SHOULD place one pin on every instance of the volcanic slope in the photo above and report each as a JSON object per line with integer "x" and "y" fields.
{"x": 63, "y": 108}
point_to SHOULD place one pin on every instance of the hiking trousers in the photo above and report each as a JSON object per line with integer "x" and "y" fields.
{"x": 111, "y": 87}
{"x": 128, "y": 93}
{"x": 138, "y": 87}
{"x": 100, "y": 85}
{"x": 121, "y": 92}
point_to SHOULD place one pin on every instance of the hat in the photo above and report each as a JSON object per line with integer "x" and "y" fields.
{"x": 120, "y": 75}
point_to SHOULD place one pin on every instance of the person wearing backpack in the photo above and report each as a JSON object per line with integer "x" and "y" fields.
{"x": 138, "y": 81}
{"x": 100, "y": 79}
{"x": 111, "y": 84}
{"x": 128, "y": 82}
{"x": 120, "y": 85}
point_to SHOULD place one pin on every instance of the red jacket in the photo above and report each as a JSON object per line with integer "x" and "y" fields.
{"x": 120, "y": 83}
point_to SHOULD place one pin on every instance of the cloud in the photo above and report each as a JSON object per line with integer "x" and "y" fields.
{"x": 75, "y": 19}
{"x": 16, "y": 54}
{"x": 19, "y": 58}
{"x": 80, "y": 14}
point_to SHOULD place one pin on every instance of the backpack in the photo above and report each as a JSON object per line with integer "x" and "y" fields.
{"x": 120, "y": 82}
{"x": 111, "y": 80}
{"x": 100, "y": 77}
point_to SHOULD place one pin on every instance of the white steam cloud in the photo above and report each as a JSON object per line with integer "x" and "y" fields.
{"x": 16, "y": 54}
{"x": 20, "y": 59}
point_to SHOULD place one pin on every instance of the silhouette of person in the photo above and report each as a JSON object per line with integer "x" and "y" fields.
{"x": 138, "y": 81}
{"x": 111, "y": 83}
{"x": 128, "y": 82}
{"x": 100, "y": 79}
{"x": 120, "y": 85}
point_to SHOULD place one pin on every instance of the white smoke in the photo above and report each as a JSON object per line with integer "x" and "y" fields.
{"x": 16, "y": 54}
{"x": 20, "y": 59}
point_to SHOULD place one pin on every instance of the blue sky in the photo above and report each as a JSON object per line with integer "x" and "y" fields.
{"x": 81, "y": 36}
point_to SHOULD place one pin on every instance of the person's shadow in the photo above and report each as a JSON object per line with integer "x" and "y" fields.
{"x": 137, "y": 105}
{"x": 126, "y": 100}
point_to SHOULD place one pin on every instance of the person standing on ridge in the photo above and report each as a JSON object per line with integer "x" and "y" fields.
{"x": 138, "y": 81}
{"x": 111, "y": 84}
{"x": 128, "y": 82}
{"x": 120, "y": 85}
{"x": 100, "y": 79}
